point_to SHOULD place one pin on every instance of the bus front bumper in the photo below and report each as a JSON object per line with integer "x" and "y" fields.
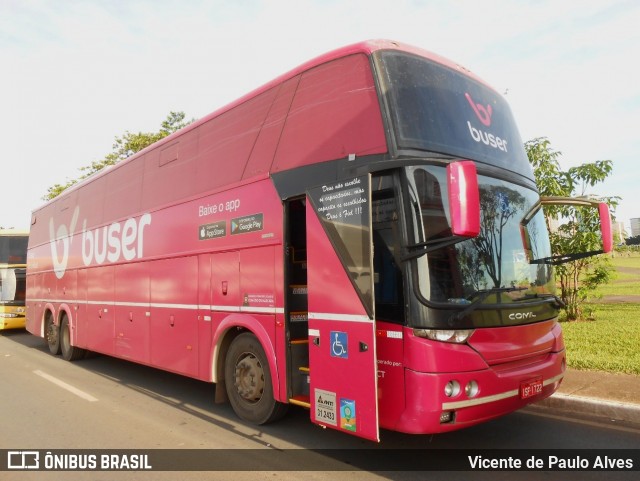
{"x": 11, "y": 322}
{"x": 475, "y": 396}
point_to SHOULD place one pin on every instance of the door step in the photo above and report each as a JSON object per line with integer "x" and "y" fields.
{"x": 301, "y": 401}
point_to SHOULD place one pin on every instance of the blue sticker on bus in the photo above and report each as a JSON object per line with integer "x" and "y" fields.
{"x": 348, "y": 414}
{"x": 339, "y": 342}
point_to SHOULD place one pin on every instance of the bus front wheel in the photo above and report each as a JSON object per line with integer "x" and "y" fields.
{"x": 248, "y": 381}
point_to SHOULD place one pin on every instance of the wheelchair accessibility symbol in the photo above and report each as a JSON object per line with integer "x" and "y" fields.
{"x": 339, "y": 341}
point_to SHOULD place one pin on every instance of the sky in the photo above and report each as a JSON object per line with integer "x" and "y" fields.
{"x": 76, "y": 74}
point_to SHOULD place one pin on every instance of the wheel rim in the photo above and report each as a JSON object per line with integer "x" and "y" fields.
{"x": 249, "y": 378}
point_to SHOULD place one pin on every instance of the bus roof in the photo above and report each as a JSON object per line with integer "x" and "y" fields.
{"x": 366, "y": 47}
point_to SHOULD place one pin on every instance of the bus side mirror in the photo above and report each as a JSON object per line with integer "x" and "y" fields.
{"x": 606, "y": 227}
{"x": 464, "y": 198}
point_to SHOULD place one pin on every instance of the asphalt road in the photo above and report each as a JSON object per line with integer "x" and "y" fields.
{"x": 103, "y": 403}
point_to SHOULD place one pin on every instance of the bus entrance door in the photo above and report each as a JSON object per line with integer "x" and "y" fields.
{"x": 342, "y": 350}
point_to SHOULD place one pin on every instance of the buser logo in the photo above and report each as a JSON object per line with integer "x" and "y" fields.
{"x": 483, "y": 113}
{"x": 109, "y": 243}
{"x": 484, "y": 116}
{"x": 63, "y": 237}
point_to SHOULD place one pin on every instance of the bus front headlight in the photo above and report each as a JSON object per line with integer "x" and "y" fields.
{"x": 457, "y": 336}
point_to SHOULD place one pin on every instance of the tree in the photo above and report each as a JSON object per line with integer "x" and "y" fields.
{"x": 497, "y": 206}
{"x": 578, "y": 232}
{"x": 124, "y": 147}
{"x": 633, "y": 241}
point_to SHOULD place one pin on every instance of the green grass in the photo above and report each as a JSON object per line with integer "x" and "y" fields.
{"x": 611, "y": 342}
{"x": 623, "y": 285}
{"x": 624, "y": 261}
{"x": 625, "y": 282}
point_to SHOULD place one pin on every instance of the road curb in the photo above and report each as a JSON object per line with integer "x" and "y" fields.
{"x": 592, "y": 406}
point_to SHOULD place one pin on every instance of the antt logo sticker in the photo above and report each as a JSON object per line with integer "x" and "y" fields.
{"x": 483, "y": 113}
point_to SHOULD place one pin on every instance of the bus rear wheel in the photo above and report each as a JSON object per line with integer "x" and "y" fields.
{"x": 69, "y": 352}
{"x": 52, "y": 335}
{"x": 248, "y": 382}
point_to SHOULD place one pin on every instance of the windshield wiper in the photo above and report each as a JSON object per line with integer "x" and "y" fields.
{"x": 559, "y": 302}
{"x": 430, "y": 246}
{"x": 482, "y": 295}
{"x": 563, "y": 258}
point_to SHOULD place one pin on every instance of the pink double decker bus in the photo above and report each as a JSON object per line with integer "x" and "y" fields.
{"x": 361, "y": 236}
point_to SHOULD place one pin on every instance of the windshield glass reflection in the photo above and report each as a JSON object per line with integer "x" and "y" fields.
{"x": 496, "y": 259}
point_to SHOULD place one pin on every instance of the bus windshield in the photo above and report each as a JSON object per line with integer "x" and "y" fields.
{"x": 436, "y": 109}
{"x": 495, "y": 260}
{"x": 13, "y": 249}
{"x": 13, "y": 257}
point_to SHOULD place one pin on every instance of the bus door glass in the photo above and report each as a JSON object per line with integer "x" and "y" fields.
{"x": 342, "y": 350}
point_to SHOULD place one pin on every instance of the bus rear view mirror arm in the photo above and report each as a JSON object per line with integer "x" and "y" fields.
{"x": 604, "y": 215}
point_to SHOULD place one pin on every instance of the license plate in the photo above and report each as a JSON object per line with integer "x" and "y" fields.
{"x": 530, "y": 388}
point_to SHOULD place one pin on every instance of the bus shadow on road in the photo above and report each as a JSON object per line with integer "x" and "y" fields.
{"x": 190, "y": 396}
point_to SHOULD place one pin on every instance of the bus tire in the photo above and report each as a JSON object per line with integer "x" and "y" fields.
{"x": 69, "y": 352}
{"x": 52, "y": 335}
{"x": 248, "y": 382}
